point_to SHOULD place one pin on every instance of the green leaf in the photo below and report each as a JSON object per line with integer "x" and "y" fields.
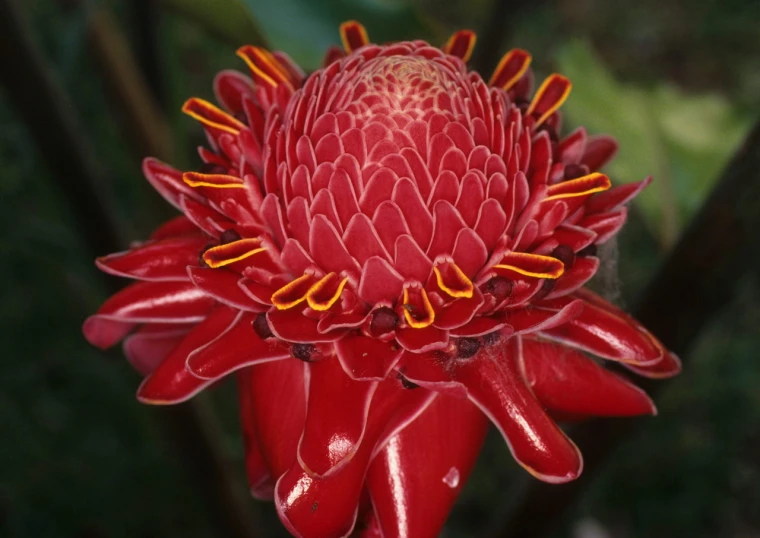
{"x": 682, "y": 140}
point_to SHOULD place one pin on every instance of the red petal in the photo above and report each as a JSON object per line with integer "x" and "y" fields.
{"x": 460, "y": 44}
{"x": 362, "y": 241}
{"x": 431, "y": 372}
{"x": 237, "y": 347}
{"x": 511, "y": 68}
{"x": 379, "y": 282}
{"x": 600, "y": 150}
{"x": 151, "y": 344}
{"x": 459, "y": 312}
{"x": 336, "y": 416}
{"x": 167, "y": 181}
{"x": 566, "y": 381}
{"x": 223, "y": 286}
{"x": 446, "y": 226}
{"x": 292, "y": 326}
{"x": 259, "y": 479}
{"x": 549, "y": 98}
{"x": 367, "y": 359}
{"x": 171, "y": 383}
{"x": 495, "y": 385}
{"x": 605, "y": 225}
{"x": 469, "y": 253}
{"x": 582, "y": 270}
{"x": 176, "y": 227}
{"x": 230, "y": 88}
{"x": 608, "y": 332}
{"x": 422, "y": 340}
{"x": 532, "y": 319}
{"x": 323, "y": 507}
{"x": 353, "y": 35}
{"x": 669, "y": 366}
{"x": 146, "y": 302}
{"x": 328, "y": 250}
{"x": 616, "y": 196}
{"x": 411, "y": 261}
{"x": 416, "y": 478}
{"x": 278, "y": 403}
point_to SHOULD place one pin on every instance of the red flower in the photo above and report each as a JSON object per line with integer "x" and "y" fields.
{"x": 389, "y": 252}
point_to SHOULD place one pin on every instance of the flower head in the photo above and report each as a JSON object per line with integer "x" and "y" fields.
{"x": 389, "y": 252}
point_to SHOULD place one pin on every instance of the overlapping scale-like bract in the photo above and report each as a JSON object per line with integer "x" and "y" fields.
{"x": 387, "y": 252}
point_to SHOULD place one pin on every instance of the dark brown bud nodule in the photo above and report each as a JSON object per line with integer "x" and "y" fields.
{"x": 261, "y": 327}
{"x": 303, "y": 352}
{"x": 467, "y": 347}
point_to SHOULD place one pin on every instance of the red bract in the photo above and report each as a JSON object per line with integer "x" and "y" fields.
{"x": 388, "y": 252}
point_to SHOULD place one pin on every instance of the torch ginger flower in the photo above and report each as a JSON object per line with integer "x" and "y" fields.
{"x": 389, "y": 253}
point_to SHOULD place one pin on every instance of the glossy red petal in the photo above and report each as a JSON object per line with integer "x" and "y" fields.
{"x": 616, "y": 196}
{"x": 176, "y": 227}
{"x": 567, "y": 381}
{"x": 495, "y": 385}
{"x": 336, "y": 416}
{"x": 608, "y": 332}
{"x": 582, "y": 270}
{"x": 236, "y": 347}
{"x": 223, "y": 285}
{"x": 600, "y": 149}
{"x": 145, "y": 302}
{"x": 170, "y": 382}
{"x": 277, "y": 399}
{"x": 326, "y": 507}
{"x": 260, "y": 480}
{"x": 669, "y": 366}
{"x": 147, "y": 347}
{"x": 292, "y": 326}
{"x": 167, "y": 181}
{"x": 422, "y": 340}
{"x": 531, "y": 319}
{"x": 231, "y": 88}
{"x": 415, "y": 480}
{"x": 365, "y": 358}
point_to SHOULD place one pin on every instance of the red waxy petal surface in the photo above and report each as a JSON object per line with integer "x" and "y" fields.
{"x": 496, "y": 386}
{"x": 566, "y": 381}
{"x": 415, "y": 479}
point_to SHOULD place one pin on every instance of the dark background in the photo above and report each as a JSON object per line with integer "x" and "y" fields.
{"x": 676, "y": 81}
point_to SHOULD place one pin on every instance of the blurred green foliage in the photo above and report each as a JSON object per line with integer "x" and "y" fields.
{"x": 680, "y": 138}
{"x": 81, "y": 458}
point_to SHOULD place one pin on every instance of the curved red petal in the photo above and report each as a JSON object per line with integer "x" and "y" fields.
{"x": 170, "y": 382}
{"x": 277, "y": 399}
{"x": 176, "y": 227}
{"x": 326, "y": 507}
{"x": 145, "y": 302}
{"x": 163, "y": 260}
{"x": 600, "y": 150}
{"x": 496, "y": 386}
{"x": 147, "y": 347}
{"x": 223, "y": 285}
{"x": 367, "y": 359}
{"x": 336, "y": 416}
{"x": 416, "y": 478}
{"x": 236, "y": 347}
{"x": 566, "y": 381}
{"x": 608, "y": 332}
{"x": 260, "y": 480}
{"x": 669, "y": 366}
